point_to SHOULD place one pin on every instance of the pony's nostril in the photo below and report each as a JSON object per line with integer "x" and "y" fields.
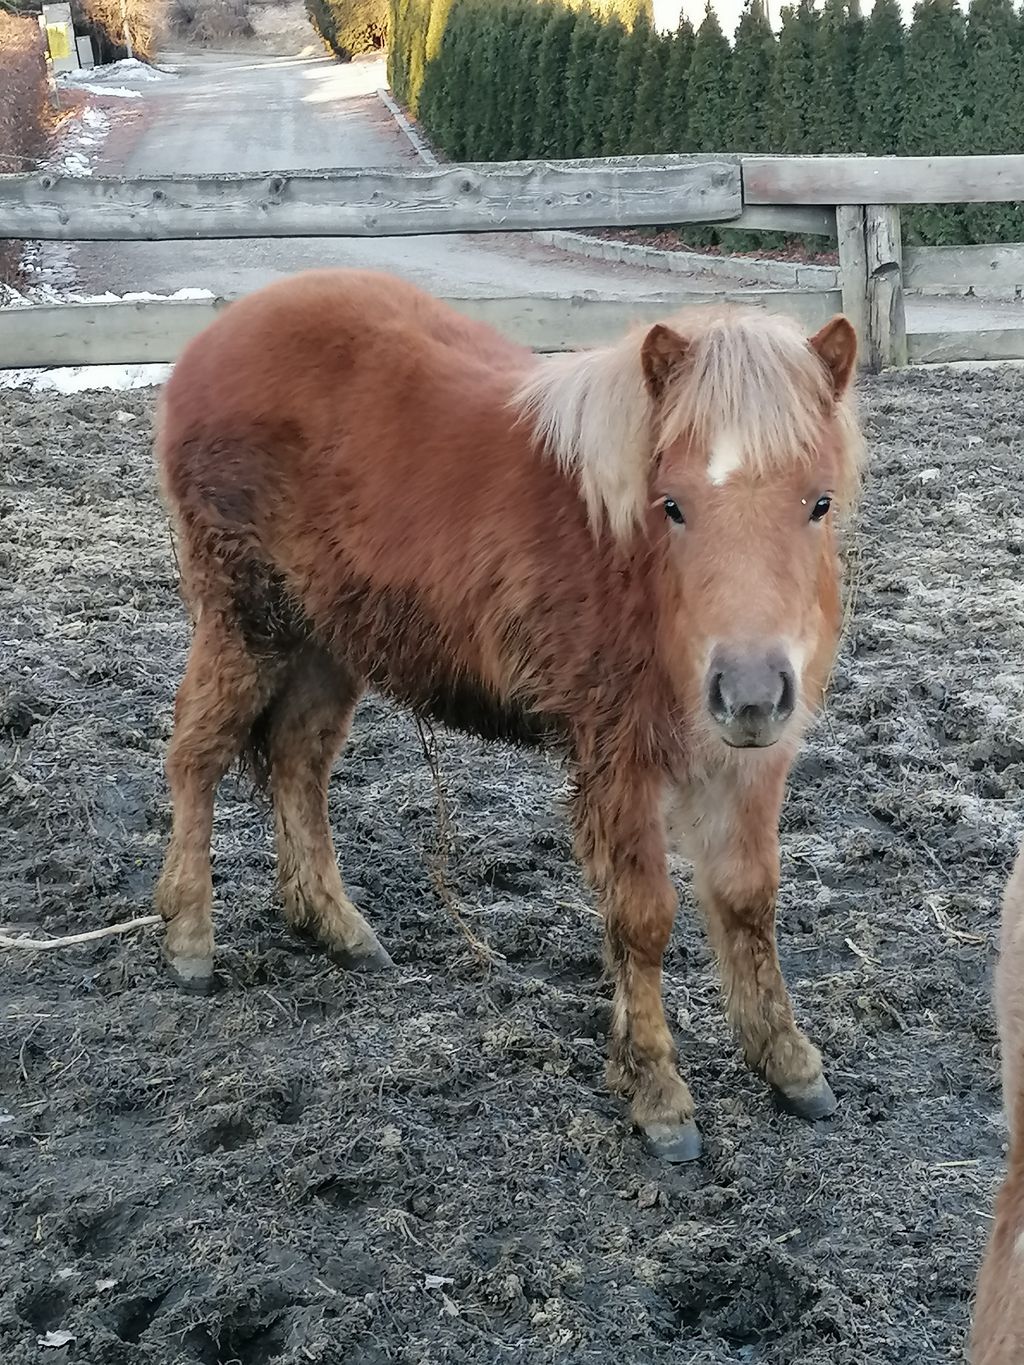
{"x": 716, "y": 698}
{"x": 787, "y": 695}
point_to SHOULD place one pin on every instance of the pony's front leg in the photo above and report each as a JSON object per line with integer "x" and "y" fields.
{"x": 624, "y": 855}
{"x": 733, "y": 840}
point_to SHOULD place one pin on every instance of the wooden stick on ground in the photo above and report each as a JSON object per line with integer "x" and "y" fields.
{"x": 35, "y": 944}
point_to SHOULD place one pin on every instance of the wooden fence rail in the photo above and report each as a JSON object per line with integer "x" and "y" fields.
{"x": 882, "y": 179}
{"x": 505, "y": 197}
{"x": 156, "y": 330}
{"x": 853, "y": 199}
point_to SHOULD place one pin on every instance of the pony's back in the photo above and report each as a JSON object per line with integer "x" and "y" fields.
{"x": 278, "y": 355}
{"x": 999, "y": 1313}
{"x": 329, "y": 379}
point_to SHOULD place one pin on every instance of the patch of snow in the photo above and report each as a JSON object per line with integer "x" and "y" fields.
{"x": 98, "y": 79}
{"x": 120, "y": 92}
{"x": 82, "y": 378}
{"x": 74, "y": 163}
{"x": 41, "y": 290}
{"x": 130, "y": 68}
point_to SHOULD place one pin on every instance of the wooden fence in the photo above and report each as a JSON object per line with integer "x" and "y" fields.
{"x": 856, "y": 200}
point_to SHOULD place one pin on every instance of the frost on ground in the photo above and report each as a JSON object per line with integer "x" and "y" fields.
{"x": 312, "y": 1167}
{"x": 80, "y": 144}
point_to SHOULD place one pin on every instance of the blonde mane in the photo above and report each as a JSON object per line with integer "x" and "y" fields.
{"x": 749, "y": 379}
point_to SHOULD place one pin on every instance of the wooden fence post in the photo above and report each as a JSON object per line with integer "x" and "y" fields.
{"x": 853, "y": 268}
{"x": 887, "y": 323}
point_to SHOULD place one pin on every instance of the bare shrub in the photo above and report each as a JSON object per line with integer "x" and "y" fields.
{"x": 114, "y": 23}
{"x": 210, "y": 21}
{"x": 350, "y": 27}
{"x": 23, "y": 109}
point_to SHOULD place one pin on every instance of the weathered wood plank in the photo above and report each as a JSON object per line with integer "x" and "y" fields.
{"x": 882, "y": 179}
{"x": 128, "y": 332}
{"x": 853, "y": 265}
{"x": 956, "y": 268}
{"x": 938, "y": 348}
{"x": 886, "y": 319}
{"x": 504, "y": 197}
{"x": 795, "y": 218}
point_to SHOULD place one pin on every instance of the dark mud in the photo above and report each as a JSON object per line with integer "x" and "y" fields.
{"x": 313, "y": 1168}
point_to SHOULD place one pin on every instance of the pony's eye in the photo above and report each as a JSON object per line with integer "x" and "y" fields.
{"x": 820, "y": 508}
{"x": 673, "y": 511}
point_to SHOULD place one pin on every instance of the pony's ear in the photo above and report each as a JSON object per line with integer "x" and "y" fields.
{"x": 836, "y": 346}
{"x": 661, "y": 355}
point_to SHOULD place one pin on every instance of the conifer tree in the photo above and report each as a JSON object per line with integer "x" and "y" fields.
{"x": 935, "y": 107}
{"x": 601, "y": 87}
{"x": 834, "y": 121}
{"x": 473, "y": 105}
{"x": 550, "y": 123}
{"x": 995, "y": 124}
{"x": 523, "y": 114}
{"x": 795, "y": 78}
{"x": 675, "y": 129}
{"x": 624, "y": 87}
{"x": 647, "y": 135}
{"x": 710, "y": 88}
{"x": 754, "y": 57}
{"x": 629, "y": 11}
{"x": 582, "y": 57}
{"x": 445, "y": 82}
{"x": 504, "y": 88}
{"x": 753, "y": 121}
{"x": 878, "y": 87}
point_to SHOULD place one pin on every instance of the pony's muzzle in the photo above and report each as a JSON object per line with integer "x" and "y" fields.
{"x": 750, "y": 695}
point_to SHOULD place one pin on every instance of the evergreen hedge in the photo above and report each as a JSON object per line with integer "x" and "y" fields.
{"x": 499, "y": 79}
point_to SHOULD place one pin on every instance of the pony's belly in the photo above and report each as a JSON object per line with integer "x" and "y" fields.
{"x": 470, "y": 708}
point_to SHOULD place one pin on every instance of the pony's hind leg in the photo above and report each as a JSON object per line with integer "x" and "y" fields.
{"x": 621, "y": 845}
{"x": 307, "y": 726}
{"x": 734, "y": 843}
{"x": 220, "y": 696}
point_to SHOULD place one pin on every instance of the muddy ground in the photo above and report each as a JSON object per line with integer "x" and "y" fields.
{"x": 308, "y": 1168}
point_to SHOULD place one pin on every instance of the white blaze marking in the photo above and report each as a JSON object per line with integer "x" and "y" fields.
{"x": 726, "y": 457}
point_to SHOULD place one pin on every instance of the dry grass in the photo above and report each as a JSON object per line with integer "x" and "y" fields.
{"x": 23, "y": 109}
{"x": 210, "y": 21}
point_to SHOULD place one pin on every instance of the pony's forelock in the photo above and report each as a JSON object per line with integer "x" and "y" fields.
{"x": 748, "y": 380}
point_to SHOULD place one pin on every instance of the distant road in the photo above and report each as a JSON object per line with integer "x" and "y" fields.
{"x": 255, "y": 113}
{"x": 236, "y": 113}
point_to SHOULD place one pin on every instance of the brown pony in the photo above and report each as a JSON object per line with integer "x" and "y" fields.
{"x": 999, "y": 1310}
{"x": 629, "y": 553}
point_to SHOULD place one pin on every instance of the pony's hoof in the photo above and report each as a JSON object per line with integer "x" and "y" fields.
{"x": 192, "y": 974}
{"x": 813, "y": 1102}
{"x": 372, "y": 957}
{"x": 674, "y": 1142}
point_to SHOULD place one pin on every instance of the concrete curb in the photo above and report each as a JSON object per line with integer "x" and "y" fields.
{"x": 789, "y": 274}
{"x": 737, "y": 269}
{"x": 418, "y": 145}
